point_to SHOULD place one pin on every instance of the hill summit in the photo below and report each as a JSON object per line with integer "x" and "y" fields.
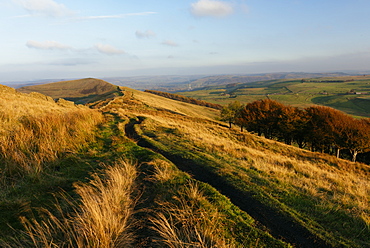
{"x": 79, "y": 91}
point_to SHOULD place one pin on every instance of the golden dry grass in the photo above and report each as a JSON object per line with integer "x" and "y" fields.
{"x": 188, "y": 219}
{"x": 104, "y": 214}
{"x": 181, "y": 108}
{"x": 332, "y": 184}
{"x": 188, "y": 222}
{"x": 35, "y": 130}
{"x": 162, "y": 171}
{"x": 102, "y": 218}
{"x": 313, "y": 174}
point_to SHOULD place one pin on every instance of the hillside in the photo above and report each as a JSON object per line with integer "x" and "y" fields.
{"x": 350, "y": 94}
{"x": 79, "y": 91}
{"x": 178, "y": 178}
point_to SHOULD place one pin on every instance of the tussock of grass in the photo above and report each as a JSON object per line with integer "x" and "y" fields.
{"x": 187, "y": 222}
{"x": 101, "y": 218}
{"x": 163, "y": 171}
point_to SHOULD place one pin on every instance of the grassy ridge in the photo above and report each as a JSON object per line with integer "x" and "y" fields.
{"x": 184, "y": 99}
{"x": 80, "y": 91}
{"x": 322, "y": 193}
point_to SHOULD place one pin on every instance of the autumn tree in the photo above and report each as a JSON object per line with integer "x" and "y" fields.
{"x": 329, "y": 127}
{"x": 358, "y": 137}
{"x": 300, "y": 127}
{"x": 320, "y": 128}
{"x": 324, "y": 128}
{"x": 291, "y": 125}
{"x": 263, "y": 117}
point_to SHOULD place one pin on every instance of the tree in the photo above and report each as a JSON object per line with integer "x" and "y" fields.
{"x": 328, "y": 127}
{"x": 324, "y": 128}
{"x": 320, "y": 128}
{"x": 358, "y": 137}
{"x": 291, "y": 125}
{"x": 300, "y": 128}
{"x": 263, "y": 117}
{"x": 230, "y": 112}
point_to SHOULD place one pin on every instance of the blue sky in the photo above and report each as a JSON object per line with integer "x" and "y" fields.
{"x": 75, "y": 39}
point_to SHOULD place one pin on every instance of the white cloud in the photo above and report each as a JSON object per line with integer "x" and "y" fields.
{"x": 211, "y": 8}
{"x": 170, "y": 43}
{"x": 147, "y": 34}
{"x": 108, "y": 49}
{"x": 47, "y": 45}
{"x": 44, "y": 7}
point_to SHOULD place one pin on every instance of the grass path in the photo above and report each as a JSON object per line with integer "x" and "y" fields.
{"x": 277, "y": 223}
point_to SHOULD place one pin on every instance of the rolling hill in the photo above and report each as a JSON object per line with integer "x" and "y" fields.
{"x": 80, "y": 91}
{"x": 147, "y": 171}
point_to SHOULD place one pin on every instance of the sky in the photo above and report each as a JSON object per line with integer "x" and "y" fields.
{"x": 42, "y": 39}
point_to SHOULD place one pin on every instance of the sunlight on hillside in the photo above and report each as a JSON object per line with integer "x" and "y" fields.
{"x": 41, "y": 130}
{"x": 144, "y": 170}
{"x": 290, "y": 175}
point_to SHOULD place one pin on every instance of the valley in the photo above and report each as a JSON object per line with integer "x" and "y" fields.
{"x": 349, "y": 94}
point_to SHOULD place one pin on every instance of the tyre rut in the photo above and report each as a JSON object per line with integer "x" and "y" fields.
{"x": 279, "y": 225}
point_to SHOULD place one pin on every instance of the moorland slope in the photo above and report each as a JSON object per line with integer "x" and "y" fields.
{"x": 178, "y": 178}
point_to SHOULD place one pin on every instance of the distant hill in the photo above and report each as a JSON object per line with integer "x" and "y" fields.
{"x": 245, "y": 79}
{"x": 168, "y": 83}
{"x": 350, "y": 94}
{"x": 174, "y": 83}
{"x": 80, "y": 91}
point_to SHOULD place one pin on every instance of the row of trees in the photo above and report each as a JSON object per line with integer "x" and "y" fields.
{"x": 319, "y": 128}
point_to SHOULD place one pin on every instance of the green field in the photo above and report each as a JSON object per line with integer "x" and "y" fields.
{"x": 348, "y": 94}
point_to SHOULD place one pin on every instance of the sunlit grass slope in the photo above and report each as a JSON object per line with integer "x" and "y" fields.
{"x": 81, "y": 91}
{"x": 116, "y": 193}
{"x": 35, "y": 130}
{"x": 157, "y": 102}
{"x": 110, "y": 178}
{"x": 328, "y": 196}
{"x": 37, "y": 137}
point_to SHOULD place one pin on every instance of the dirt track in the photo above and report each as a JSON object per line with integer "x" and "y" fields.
{"x": 278, "y": 224}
